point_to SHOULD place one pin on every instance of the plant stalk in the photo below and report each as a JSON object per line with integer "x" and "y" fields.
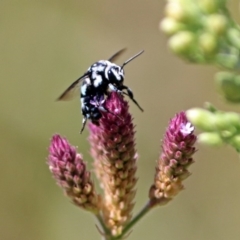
{"x": 144, "y": 210}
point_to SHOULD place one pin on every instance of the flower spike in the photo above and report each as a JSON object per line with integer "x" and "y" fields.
{"x": 172, "y": 167}
{"x": 71, "y": 175}
{"x": 113, "y": 148}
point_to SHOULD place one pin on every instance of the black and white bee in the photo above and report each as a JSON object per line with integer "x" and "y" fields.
{"x": 101, "y": 78}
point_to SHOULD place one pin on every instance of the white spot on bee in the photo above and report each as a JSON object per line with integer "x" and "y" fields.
{"x": 82, "y": 101}
{"x": 107, "y": 71}
{"x": 112, "y": 87}
{"x": 84, "y": 89}
{"x": 88, "y": 81}
{"x": 98, "y": 81}
{"x": 100, "y": 68}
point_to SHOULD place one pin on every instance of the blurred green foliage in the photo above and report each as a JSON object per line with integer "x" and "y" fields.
{"x": 44, "y": 46}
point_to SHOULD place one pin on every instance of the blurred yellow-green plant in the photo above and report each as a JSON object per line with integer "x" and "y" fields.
{"x": 203, "y": 32}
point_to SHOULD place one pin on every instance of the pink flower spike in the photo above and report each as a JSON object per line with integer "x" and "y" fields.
{"x": 71, "y": 175}
{"x": 113, "y": 148}
{"x": 172, "y": 168}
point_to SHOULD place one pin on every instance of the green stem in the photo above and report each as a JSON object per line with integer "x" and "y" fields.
{"x": 105, "y": 231}
{"x": 144, "y": 210}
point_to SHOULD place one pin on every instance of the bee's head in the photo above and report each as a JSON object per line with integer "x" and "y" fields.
{"x": 114, "y": 73}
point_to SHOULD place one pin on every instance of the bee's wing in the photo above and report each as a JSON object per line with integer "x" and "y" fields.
{"x": 116, "y": 55}
{"x": 69, "y": 93}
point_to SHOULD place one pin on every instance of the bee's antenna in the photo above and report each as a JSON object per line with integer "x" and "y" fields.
{"x": 130, "y": 59}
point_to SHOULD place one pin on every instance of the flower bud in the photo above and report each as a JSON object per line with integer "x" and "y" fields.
{"x": 228, "y": 60}
{"x": 235, "y": 142}
{"x": 170, "y": 26}
{"x": 227, "y": 121}
{"x": 182, "y": 42}
{"x": 210, "y": 138}
{"x": 208, "y": 43}
{"x": 216, "y": 23}
{"x": 209, "y": 6}
{"x": 233, "y": 36}
{"x": 229, "y": 85}
{"x": 201, "y": 118}
{"x": 232, "y": 119}
{"x": 175, "y": 11}
{"x": 185, "y": 11}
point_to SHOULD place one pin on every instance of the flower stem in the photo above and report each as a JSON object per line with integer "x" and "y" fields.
{"x": 144, "y": 210}
{"x": 105, "y": 231}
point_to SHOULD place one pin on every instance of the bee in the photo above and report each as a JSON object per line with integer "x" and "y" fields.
{"x": 95, "y": 84}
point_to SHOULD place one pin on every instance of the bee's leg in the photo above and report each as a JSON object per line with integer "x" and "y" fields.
{"x": 84, "y": 121}
{"x": 114, "y": 88}
{"x": 130, "y": 95}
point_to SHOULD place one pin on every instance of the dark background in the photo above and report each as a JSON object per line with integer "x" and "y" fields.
{"x": 44, "y": 46}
